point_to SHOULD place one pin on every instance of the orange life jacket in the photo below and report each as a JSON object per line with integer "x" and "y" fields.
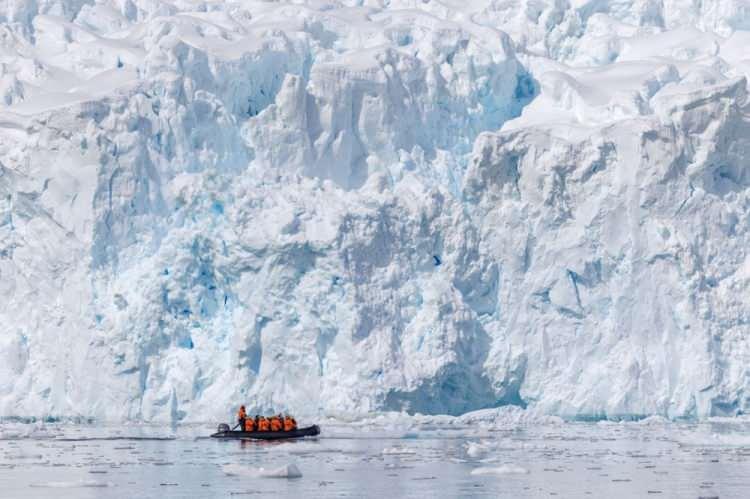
{"x": 249, "y": 424}
{"x": 263, "y": 424}
{"x": 241, "y": 414}
{"x": 289, "y": 424}
{"x": 275, "y": 424}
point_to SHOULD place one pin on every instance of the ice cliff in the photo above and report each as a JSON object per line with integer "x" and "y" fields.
{"x": 340, "y": 207}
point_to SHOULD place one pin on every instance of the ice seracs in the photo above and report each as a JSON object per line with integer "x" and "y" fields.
{"x": 337, "y": 208}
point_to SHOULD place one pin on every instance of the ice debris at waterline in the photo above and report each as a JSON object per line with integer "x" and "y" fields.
{"x": 422, "y": 206}
{"x": 397, "y": 451}
{"x": 509, "y": 469}
{"x": 287, "y": 471}
{"x": 71, "y": 485}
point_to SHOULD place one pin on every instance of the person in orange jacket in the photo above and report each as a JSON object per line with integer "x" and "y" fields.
{"x": 276, "y": 424}
{"x": 289, "y": 424}
{"x": 249, "y": 424}
{"x": 241, "y": 416}
{"x": 263, "y": 424}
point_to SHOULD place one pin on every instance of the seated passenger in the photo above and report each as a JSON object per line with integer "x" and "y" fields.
{"x": 263, "y": 424}
{"x": 289, "y": 424}
{"x": 249, "y": 424}
{"x": 276, "y": 424}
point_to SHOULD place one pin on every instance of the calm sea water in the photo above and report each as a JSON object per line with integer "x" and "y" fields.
{"x": 563, "y": 460}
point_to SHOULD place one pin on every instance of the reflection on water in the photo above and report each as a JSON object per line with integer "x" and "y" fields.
{"x": 565, "y": 460}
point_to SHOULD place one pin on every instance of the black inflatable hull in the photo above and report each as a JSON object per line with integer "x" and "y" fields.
{"x": 310, "y": 431}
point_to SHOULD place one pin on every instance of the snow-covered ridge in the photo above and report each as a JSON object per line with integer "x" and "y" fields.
{"x": 335, "y": 207}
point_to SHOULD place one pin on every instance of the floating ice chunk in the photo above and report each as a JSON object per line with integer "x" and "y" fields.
{"x": 303, "y": 447}
{"x": 287, "y": 471}
{"x": 72, "y": 484}
{"x": 653, "y": 420}
{"x": 506, "y": 416}
{"x": 474, "y": 449}
{"x": 10, "y": 435}
{"x": 24, "y": 455}
{"x": 396, "y": 451}
{"x": 236, "y": 470}
{"x": 715, "y": 440}
{"x": 607, "y": 422}
{"x": 508, "y": 469}
{"x": 31, "y": 431}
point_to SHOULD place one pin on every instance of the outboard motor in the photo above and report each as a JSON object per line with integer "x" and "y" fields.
{"x": 222, "y": 428}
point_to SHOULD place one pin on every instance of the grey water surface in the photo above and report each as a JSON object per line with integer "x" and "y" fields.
{"x": 665, "y": 460}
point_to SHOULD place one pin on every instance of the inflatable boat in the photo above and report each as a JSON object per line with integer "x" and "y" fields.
{"x": 224, "y": 432}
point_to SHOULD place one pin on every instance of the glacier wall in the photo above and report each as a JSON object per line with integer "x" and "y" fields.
{"x": 343, "y": 207}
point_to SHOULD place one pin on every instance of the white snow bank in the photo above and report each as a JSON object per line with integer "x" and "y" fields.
{"x": 509, "y": 469}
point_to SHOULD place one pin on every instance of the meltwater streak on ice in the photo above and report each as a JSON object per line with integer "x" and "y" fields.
{"x": 519, "y": 460}
{"x": 425, "y": 206}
